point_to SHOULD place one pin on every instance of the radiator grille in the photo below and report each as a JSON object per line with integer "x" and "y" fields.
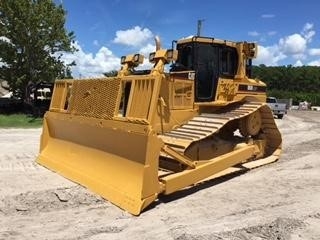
{"x": 94, "y": 98}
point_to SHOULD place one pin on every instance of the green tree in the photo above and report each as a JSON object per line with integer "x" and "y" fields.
{"x": 299, "y": 83}
{"x": 32, "y": 39}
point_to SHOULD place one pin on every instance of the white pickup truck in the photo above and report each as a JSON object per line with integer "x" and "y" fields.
{"x": 278, "y": 109}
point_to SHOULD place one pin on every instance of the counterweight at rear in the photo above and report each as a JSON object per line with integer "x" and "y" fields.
{"x": 143, "y": 133}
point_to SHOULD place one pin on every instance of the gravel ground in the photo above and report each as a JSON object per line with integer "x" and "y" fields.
{"x": 277, "y": 201}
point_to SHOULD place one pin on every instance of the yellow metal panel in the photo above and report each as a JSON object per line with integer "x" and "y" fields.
{"x": 59, "y": 96}
{"x": 142, "y": 92}
{"x": 121, "y": 166}
{"x": 182, "y": 94}
{"x": 95, "y": 98}
{"x": 185, "y": 178}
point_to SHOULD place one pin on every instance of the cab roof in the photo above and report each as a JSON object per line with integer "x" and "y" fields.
{"x": 201, "y": 39}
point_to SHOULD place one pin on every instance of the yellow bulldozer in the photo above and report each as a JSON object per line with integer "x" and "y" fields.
{"x": 195, "y": 115}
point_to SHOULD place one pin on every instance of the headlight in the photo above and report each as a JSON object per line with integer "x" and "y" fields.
{"x": 138, "y": 58}
{"x": 123, "y": 59}
{"x": 151, "y": 57}
{"x": 171, "y": 55}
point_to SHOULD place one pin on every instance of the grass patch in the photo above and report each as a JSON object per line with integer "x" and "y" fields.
{"x": 19, "y": 121}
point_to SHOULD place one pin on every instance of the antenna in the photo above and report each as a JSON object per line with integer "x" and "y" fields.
{"x": 199, "y": 26}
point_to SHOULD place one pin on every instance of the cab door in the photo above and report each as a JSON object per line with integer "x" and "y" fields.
{"x": 207, "y": 71}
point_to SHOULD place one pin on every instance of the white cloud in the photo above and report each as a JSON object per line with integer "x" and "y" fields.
{"x": 263, "y": 36}
{"x": 272, "y": 33}
{"x": 96, "y": 42}
{"x": 309, "y": 35}
{"x": 314, "y": 51}
{"x": 314, "y": 63}
{"x": 145, "y": 65}
{"x": 293, "y": 48}
{"x": 308, "y": 32}
{"x": 307, "y": 27}
{"x": 253, "y": 33}
{"x": 269, "y": 55}
{"x": 268, "y": 15}
{"x": 293, "y": 44}
{"x": 146, "y": 50}
{"x": 300, "y": 56}
{"x": 104, "y": 60}
{"x": 298, "y": 63}
{"x": 135, "y": 37}
{"x": 92, "y": 65}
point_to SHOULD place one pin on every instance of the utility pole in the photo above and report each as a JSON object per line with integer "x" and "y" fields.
{"x": 199, "y": 26}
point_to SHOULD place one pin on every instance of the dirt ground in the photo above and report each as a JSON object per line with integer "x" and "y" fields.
{"x": 277, "y": 201}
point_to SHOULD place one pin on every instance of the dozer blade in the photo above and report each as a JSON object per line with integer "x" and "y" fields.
{"x": 120, "y": 166}
{"x": 85, "y": 139}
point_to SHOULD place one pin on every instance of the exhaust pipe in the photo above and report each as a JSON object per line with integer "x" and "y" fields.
{"x": 158, "y": 42}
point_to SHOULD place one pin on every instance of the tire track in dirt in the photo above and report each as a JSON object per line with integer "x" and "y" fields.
{"x": 102, "y": 232}
{"x": 300, "y": 149}
{"x": 281, "y": 229}
{"x": 30, "y": 203}
{"x": 18, "y": 162}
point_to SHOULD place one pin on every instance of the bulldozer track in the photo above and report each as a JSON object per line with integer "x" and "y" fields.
{"x": 207, "y": 124}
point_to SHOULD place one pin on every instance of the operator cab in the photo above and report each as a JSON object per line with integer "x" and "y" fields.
{"x": 209, "y": 60}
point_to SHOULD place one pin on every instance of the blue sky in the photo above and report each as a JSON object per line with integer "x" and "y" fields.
{"x": 287, "y": 32}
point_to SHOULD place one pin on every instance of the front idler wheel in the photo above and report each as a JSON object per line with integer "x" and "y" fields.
{"x": 251, "y": 125}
